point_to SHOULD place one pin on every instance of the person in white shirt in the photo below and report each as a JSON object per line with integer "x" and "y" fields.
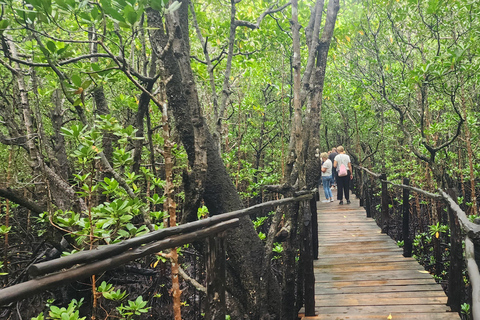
{"x": 327, "y": 178}
{"x": 344, "y": 174}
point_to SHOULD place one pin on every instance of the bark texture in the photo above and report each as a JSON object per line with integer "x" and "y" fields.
{"x": 244, "y": 248}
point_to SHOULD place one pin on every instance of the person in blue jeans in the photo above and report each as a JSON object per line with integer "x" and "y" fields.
{"x": 327, "y": 178}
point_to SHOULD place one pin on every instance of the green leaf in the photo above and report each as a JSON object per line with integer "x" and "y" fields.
{"x": 86, "y": 84}
{"x": 3, "y": 25}
{"x": 77, "y": 102}
{"x": 114, "y": 14}
{"x": 157, "y": 5}
{"x": 51, "y": 46}
{"x": 77, "y": 81}
{"x": 62, "y": 50}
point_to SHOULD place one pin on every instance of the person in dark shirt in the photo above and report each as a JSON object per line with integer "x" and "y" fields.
{"x": 332, "y": 156}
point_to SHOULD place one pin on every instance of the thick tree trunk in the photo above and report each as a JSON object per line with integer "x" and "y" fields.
{"x": 244, "y": 248}
{"x": 312, "y": 139}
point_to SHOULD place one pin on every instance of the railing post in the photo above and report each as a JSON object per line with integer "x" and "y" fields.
{"x": 361, "y": 193}
{"x": 385, "y": 216}
{"x": 455, "y": 278}
{"x": 407, "y": 240}
{"x": 309, "y": 276}
{"x": 313, "y": 209}
{"x": 216, "y": 307}
{"x": 368, "y": 198}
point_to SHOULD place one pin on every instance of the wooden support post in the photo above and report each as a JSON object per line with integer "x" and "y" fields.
{"x": 313, "y": 209}
{"x": 368, "y": 198}
{"x": 309, "y": 276}
{"x": 361, "y": 192}
{"x": 216, "y": 307}
{"x": 385, "y": 216}
{"x": 455, "y": 278}
{"x": 407, "y": 241}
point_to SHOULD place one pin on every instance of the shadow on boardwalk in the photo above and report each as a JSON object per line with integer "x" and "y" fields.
{"x": 361, "y": 273}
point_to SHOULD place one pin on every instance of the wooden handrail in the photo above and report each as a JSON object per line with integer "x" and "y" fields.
{"x": 472, "y": 230}
{"x": 474, "y": 275}
{"x": 109, "y": 257}
{"x": 376, "y": 175}
{"x": 28, "y": 288}
{"x": 106, "y": 251}
{"x": 417, "y": 190}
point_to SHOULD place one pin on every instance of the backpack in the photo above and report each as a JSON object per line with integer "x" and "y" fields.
{"x": 342, "y": 171}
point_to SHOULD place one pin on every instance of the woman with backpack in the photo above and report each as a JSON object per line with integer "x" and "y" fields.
{"x": 344, "y": 174}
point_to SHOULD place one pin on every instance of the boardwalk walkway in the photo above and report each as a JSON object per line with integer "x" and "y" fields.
{"x": 361, "y": 273}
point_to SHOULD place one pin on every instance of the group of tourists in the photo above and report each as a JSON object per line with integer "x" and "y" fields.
{"x": 336, "y": 167}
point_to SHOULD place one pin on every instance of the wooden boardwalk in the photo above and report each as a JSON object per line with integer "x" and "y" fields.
{"x": 361, "y": 273}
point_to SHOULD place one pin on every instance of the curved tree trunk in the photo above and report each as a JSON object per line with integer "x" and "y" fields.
{"x": 244, "y": 248}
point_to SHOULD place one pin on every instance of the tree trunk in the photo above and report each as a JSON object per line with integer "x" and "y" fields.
{"x": 244, "y": 247}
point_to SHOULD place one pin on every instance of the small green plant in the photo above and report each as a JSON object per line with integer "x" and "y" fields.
{"x": 133, "y": 308}
{"x": 108, "y": 292}
{"x": 277, "y": 247}
{"x": 4, "y": 230}
{"x": 401, "y": 243}
{"x": 438, "y": 228}
{"x": 69, "y": 313}
{"x": 39, "y": 317}
{"x": 202, "y": 212}
{"x": 262, "y": 235}
{"x": 473, "y": 217}
{"x": 259, "y": 221}
{"x": 277, "y": 250}
{"x": 465, "y": 309}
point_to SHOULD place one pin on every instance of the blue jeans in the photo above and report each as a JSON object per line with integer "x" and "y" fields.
{"x": 327, "y": 182}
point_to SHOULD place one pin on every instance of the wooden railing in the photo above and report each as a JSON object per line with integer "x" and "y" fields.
{"x": 459, "y": 224}
{"x": 54, "y": 273}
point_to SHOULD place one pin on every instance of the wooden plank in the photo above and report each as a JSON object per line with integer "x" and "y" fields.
{"x": 371, "y": 275}
{"x": 395, "y": 316}
{"x": 369, "y": 267}
{"x": 383, "y": 299}
{"x": 362, "y": 274}
{"x": 378, "y": 283}
{"x": 414, "y": 288}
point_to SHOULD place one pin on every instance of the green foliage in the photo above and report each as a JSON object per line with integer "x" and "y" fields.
{"x": 4, "y": 230}
{"x": 436, "y": 229}
{"x": 133, "y": 308}
{"x": 465, "y": 309}
{"x": 202, "y": 212}
{"x": 277, "y": 250}
{"x": 109, "y": 292}
{"x": 259, "y": 221}
{"x": 1, "y": 267}
{"x": 69, "y": 313}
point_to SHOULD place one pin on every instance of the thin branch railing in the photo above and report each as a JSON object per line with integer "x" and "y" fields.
{"x": 80, "y": 265}
{"x": 458, "y": 223}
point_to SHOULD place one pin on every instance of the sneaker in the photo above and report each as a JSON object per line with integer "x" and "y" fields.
{"x": 325, "y": 201}
{"x": 341, "y": 202}
{"x": 348, "y": 202}
{"x": 331, "y": 200}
